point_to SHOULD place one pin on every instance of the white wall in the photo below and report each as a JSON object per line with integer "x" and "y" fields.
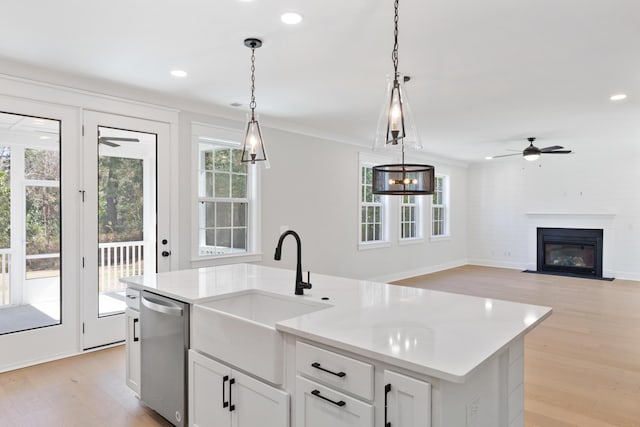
{"x": 312, "y": 187}
{"x": 595, "y": 188}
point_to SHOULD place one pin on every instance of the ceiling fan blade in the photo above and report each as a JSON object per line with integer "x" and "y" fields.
{"x": 507, "y": 155}
{"x": 552, "y": 148}
{"x": 557, "y": 152}
{"x": 116, "y": 138}
{"x": 108, "y": 143}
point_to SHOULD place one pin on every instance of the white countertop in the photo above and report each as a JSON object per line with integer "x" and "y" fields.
{"x": 440, "y": 334}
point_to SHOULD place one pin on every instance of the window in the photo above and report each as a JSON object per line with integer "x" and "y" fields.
{"x": 440, "y": 206}
{"x": 371, "y": 209}
{"x": 409, "y": 211}
{"x": 226, "y": 205}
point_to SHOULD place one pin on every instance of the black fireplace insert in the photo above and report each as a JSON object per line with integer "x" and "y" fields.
{"x": 570, "y": 251}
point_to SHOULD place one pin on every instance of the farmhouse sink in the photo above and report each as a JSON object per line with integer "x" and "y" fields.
{"x": 239, "y": 329}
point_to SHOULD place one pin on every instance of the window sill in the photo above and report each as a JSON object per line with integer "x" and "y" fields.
{"x": 214, "y": 260}
{"x": 440, "y": 238}
{"x": 373, "y": 245}
{"x": 414, "y": 241}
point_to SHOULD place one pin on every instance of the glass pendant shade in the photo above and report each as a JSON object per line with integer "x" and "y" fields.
{"x": 404, "y": 179}
{"x": 252, "y": 146}
{"x": 396, "y": 124}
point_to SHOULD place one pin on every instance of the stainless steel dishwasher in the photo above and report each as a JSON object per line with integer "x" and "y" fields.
{"x": 164, "y": 341}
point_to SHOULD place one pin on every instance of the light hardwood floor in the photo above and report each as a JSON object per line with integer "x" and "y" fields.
{"x": 582, "y": 365}
{"x": 82, "y": 391}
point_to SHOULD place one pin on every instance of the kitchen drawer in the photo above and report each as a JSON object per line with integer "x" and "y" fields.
{"x": 319, "y": 406}
{"x": 133, "y": 299}
{"x": 336, "y": 370}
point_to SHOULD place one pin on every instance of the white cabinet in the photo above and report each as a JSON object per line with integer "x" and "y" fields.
{"x": 407, "y": 401}
{"x": 220, "y": 396}
{"x": 132, "y": 340}
{"x": 319, "y": 406}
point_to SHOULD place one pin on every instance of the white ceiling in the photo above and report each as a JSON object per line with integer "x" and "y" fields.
{"x": 485, "y": 74}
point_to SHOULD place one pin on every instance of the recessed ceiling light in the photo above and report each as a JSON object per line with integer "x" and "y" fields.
{"x": 291, "y": 18}
{"x": 178, "y": 73}
{"x": 488, "y": 158}
{"x": 45, "y": 137}
{"x": 618, "y": 97}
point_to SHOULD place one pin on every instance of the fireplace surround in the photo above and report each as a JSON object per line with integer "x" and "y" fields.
{"x": 570, "y": 251}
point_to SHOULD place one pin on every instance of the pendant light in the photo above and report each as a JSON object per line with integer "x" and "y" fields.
{"x": 396, "y": 128}
{"x": 253, "y": 146}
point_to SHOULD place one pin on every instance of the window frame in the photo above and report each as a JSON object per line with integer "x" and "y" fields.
{"x": 368, "y": 161}
{"x": 418, "y": 219}
{"x": 444, "y": 206}
{"x": 230, "y": 138}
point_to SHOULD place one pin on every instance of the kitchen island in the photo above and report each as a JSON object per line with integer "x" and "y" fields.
{"x": 365, "y": 353}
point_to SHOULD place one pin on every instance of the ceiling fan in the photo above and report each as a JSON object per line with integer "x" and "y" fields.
{"x": 532, "y": 152}
{"x": 110, "y": 140}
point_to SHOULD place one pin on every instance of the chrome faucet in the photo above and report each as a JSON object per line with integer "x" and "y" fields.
{"x": 300, "y": 285}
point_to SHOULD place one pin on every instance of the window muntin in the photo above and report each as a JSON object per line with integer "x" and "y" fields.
{"x": 409, "y": 218}
{"x": 223, "y": 200}
{"x": 371, "y": 209}
{"x": 439, "y": 221}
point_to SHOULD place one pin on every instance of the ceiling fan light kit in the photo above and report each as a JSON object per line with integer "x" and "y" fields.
{"x": 395, "y": 129}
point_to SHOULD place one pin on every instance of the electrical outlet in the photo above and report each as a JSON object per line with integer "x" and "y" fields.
{"x": 473, "y": 413}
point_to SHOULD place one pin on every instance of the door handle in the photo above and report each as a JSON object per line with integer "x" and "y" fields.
{"x": 166, "y": 253}
{"x": 135, "y": 338}
{"x": 387, "y": 389}
{"x": 225, "y": 403}
{"x": 162, "y": 307}
{"x": 232, "y": 407}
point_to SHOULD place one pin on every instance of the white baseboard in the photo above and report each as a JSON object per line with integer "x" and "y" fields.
{"x": 626, "y": 275}
{"x": 497, "y": 263}
{"x": 418, "y": 271}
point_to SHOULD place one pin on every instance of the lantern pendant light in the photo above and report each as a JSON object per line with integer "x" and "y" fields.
{"x": 403, "y": 178}
{"x": 253, "y": 146}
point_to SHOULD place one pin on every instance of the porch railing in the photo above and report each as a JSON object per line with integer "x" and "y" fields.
{"x": 5, "y": 276}
{"x": 116, "y": 260}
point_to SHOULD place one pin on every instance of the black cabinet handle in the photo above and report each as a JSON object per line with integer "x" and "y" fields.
{"x": 387, "y": 389}
{"x": 337, "y": 374}
{"x": 232, "y": 407}
{"x": 135, "y": 338}
{"x": 224, "y": 402}
{"x": 340, "y": 403}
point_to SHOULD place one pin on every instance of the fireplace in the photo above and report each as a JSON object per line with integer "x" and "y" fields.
{"x": 570, "y": 251}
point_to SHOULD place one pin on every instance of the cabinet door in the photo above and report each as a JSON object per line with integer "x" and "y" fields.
{"x": 319, "y": 406}
{"x": 208, "y": 392}
{"x": 132, "y": 349}
{"x": 257, "y": 404}
{"x": 408, "y": 401}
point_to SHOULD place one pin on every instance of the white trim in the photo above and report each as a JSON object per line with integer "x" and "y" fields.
{"x": 443, "y": 238}
{"x": 365, "y": 246}
{"x": 400, "y": 275}
{"x": 411, "y": 241}
{"x": 212, "y": 261}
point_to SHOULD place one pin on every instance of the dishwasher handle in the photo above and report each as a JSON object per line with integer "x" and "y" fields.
{"x": 162, "y": 306}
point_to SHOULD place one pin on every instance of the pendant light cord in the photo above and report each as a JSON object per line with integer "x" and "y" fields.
{"x": 394, "y": 54}
{"x": 252, "y": 104}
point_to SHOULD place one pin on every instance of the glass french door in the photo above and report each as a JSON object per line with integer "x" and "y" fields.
{"x": 122, "y": 220}
{"x": 38, "y": 265}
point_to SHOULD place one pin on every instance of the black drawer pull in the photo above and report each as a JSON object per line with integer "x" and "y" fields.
{"x": 337, "y": 374}
{"x": 316, "y": 393}
{"x": 225, "y": 403}
{"x": 135, "y": 337}
{"x": 387, "y": 389}
{"x": 232, "y": 407}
